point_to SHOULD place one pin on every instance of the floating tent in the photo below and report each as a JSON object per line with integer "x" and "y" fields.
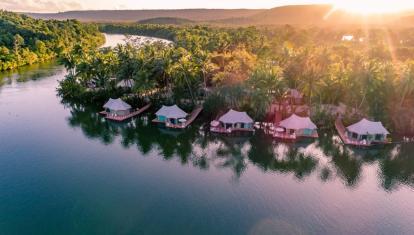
{"x": 117, "y": 107}
{"x": 301, "y": 126}
{"x": 170, "y": 114}
{"x": 367, "y": 130}
{"x": 235, "y": 119}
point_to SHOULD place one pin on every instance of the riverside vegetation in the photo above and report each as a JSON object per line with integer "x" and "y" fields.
{"x": 26, "y": 41}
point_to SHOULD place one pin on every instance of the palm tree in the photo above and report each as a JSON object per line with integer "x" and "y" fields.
{"x": 128, "y": 63}
{"x": 406, "y": 83}
{"x": 185, "y": 73}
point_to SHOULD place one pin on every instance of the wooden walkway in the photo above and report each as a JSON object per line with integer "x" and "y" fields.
{"x": 126, "y": 117}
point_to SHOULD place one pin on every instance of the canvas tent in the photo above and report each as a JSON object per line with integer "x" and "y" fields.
{"x": 302, "y": 126}
{"x": 170, "y": 114}
{"x": 367, "y": 130}
{"x": 235, "y": 119}
{"x": 117, "y": 107}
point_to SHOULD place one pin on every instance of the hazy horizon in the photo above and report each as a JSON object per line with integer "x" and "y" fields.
{"x": 54, "y": 6}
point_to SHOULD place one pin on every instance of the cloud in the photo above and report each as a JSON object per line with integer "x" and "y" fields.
{"x": 40, "y": 5}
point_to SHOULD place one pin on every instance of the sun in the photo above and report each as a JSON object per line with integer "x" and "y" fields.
{"x": 374, "y": 6}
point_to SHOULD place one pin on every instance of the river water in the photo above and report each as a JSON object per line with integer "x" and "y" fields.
{"x": 65, "y": 170}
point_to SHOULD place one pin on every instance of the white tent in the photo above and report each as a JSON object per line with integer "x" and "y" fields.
{"x": 117, "y": 105}
{"x": 173, "y": 112}
{"x": 233, "y": 117}
{"x": 366, "y": 127}
{"x": 295, "y": 122}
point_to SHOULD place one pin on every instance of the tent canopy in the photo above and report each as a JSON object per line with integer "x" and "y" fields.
{"x": 117, "y": 105}
{"x": 295, "y": 122}
{"x": 232, "y": 117}
{"x": 365, "y": 127}
{"x": 171, "y": 112}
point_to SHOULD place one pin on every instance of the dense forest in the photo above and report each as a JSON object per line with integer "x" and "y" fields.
{"x": 249, "y": 68}
{"x": 24, "y": 40}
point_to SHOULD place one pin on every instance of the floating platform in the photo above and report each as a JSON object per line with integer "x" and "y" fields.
{"x": 347, "y": 141}
{"x": 125, "y": 117}
{"x": 192, "y": 117}
{"x": 222, "y": 130}
{"x": 293, "y": 137}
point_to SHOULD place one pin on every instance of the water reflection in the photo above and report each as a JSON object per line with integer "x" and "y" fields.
{"x": 30, "y": 72}
{"x": 325, "y": 158}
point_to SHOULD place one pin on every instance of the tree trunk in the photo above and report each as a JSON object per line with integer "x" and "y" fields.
{"x": 189, "y": 88}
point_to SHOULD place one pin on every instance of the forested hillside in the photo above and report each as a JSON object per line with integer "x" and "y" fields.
{"x": 24, "y": 40}
{"x": 167, "y": 20}
{"x": 294, "y": 15}
{"x": 137, "y": 15}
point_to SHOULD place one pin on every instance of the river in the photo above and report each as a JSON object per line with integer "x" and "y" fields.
{"x": 65, "y": 170}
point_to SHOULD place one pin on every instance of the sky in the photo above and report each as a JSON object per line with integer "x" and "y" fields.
{"x": 65, "y": 5}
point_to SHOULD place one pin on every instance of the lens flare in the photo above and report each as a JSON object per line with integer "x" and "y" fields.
{"x": 373, "y": 6}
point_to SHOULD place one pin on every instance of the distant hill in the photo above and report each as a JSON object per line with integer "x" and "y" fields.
{"x": 294, "y": 15}
{"x": 138, "y": 15}
{"x": 167, "y": 20}
{"x": 408, "y": 20}
{"x": 311, "y": 15}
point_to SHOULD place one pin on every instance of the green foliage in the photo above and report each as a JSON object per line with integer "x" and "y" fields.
{"x": 24, "y": 40}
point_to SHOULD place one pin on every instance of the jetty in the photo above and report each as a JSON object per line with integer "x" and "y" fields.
{"x": 121, "y": 118}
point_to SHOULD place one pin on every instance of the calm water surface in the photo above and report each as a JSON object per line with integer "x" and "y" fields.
{"x": 65, "y": 170}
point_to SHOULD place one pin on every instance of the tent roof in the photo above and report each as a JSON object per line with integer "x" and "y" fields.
{"x": 295, "y": 122}
{"x": 235, "y": 117}
{"x": 117, "y": 105}
{"x": 368, "y": 127}
{"x": 171, "y": 112}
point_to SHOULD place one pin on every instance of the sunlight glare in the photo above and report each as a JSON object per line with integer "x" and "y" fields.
{"x": 373, "y": 6}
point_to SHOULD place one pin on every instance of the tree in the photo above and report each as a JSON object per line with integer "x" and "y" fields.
{"x": 406, "y": 83}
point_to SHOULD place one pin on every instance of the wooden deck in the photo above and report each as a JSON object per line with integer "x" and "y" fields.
{"x": 293, "y": 137}
{"x": 125, "y": 117}
{"x": 285, "y": 136}
{"x": 347, "y": 141}
{"x": 222, "y": 130}
{"x": 192, "y": 117}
